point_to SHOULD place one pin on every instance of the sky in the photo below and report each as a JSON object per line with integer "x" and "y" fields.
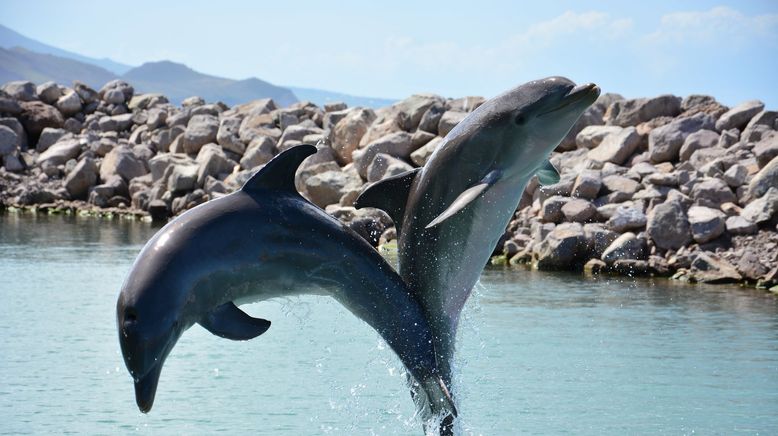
{"x": 728, "y": 49}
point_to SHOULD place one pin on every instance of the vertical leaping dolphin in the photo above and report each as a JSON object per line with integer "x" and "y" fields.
{"x": 261, "y": 242}
{"x": 450, "y": 214}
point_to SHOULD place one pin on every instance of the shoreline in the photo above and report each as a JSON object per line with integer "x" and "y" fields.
{"x": 665, "y": 186}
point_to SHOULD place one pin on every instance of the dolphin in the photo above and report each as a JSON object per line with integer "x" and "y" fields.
{"x": 260, "y": 242}
{"x": 451, "y": 213}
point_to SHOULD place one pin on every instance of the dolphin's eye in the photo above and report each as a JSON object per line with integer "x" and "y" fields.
{"x": 520, "y": 120}
{"x": 130, "y": 316}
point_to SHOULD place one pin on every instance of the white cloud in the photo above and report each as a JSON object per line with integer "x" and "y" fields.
{"x": 719, "y": 25}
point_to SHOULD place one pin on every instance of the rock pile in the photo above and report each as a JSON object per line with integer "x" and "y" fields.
{"x": 654, "y": 185}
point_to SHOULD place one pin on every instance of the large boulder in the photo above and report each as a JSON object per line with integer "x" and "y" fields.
{"x": 706, "y": 223}
{"x": 626, "y": 247}
{"x": 710, "y": 268}
{"x": 423, "y": 153}
{"x": 36, "y": 116}
{"x": 562, "y": 248}
{"x": 81, "y": 178}
{"x": 328, "y": 187}
{"x": 763, "y": 209}
{"x": 766, "y": 149}
{"x": 122, "y": 162}
{"x": 587, "y": 184}
{"x": 579, "y": 210}
{"x": 712, "y": 192}
{"x": 414, "y": 107}
{"x": 765, "y": 179}
{"x": 616, "y": 147}
{"x": 258, "y": 152}
{"x": 739, "y": 116}
{"x": 200, "y": 130}
{"x": 59, "y": 153}
{"x": 349, "y": 131}
{"x": 592, "y": 136}
{"x": 396, "y": 144}
{"x": 633, "y": 112}
{"x": 696, "y": 141}
{"x": 213, "y": 162}
{"x": 737, "y": 225}
{"x": 665, "y": 142}
{"x": 21, "y": 90}
{"x": 763, "y": 124}
{"x": 668, "y": 226}
{"x": 9, "y": 141}
{"x": 228, "y": 135}
{"x": 384, "y": 166}
{"x": 627, "y": 218}
{"x": 448, "y": 121}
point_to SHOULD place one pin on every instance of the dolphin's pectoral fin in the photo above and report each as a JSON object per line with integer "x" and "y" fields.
{"x": 279, "y": 172}
{"x": 227, "y": 321}
{"x": 547, "y": 174}
{"x": 389, "y": 195}
{"x": 467, "y": 197}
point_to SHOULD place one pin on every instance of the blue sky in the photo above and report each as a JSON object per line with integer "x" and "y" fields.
{"x": 728, "y": 49}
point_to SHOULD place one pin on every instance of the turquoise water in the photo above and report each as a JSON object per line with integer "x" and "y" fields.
{"x": 539, "y": 354}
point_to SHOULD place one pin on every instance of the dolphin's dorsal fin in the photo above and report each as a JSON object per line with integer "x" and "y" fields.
{"x": 279, "y": 172}
{"x": 389, "y": 195}
{"x": 467, "y": 197}
{"x": 547, "y": 174}
{"x": 227, "y": 321}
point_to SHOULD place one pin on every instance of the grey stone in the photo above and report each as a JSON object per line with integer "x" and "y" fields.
{"x": 122, "y": 162}
{"x": 423, "y": 153}
{"x": 228, "y": 135}
{"x": 9, "y": 141}
{"x": 49, "y": 92}
{"x": 551, "y": 209}
{"x": 627, "y": 218}
{"x": 48, "y": 137}
{"x": 626, "y": 247}
{"x": 578, "y": 210}
{"x": 349, "y": 131}
{"x": 662, "y": 179}
{"x": 327, "y": 187}
{"x": 213, "y": 162}
{"x": 465, "y": 104}
{"x": 668, "y": 225}
{"x": 665, "y": 142}
{"x": 36, "y": 116}
{"x": 707, "y": 224}
{"x": 598, "y": 238}
{"x": 738, "y": 116}
{"x": 13, "y": 163}
{"x": 414, "y": 107}
{"x": 736, "y": 175}
{"x": 762, "y": 124}
{"x": 696, "y": 141}
{"x": 766, "y": 178}
{"x": 182, "y": 178}
{"x": 562, "y": 248}
{"x": 334, "y": 106}
{"x": 624, "y": 186}
{"x": 633, "y": 112}
{"x": 146, "y": 101}
{"x": 156, "y": 118}
{"x": 737, "y": 225}
{"x": 117, "y": 85}
{"x": 259, "y": 152}
{"x": 448, "y": 121}
{"x": 431, "y": 118}
{"x": 396, "y": 144}
{"x": 617, "y": 147}
{"x": 114, "y": 96}
{"x": 591, "y": 116}
{"x": 762, "y": 209}
{"x": 384, "y": 166}
{"x": 200, "y": 130}
{"x": 710, "y": 268}
{"x": 21, "y": 90}
{"x": 81, "y": 178}
{"x": 591, "y": 136}
{"x": 766, "y": 149}
{"x": 59, "y": 153}
{"x": 712, "y": 192}
{"x": 87, "y": 94}
{"x": 587, "y": 184}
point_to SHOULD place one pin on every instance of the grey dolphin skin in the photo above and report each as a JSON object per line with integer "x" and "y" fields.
{"x": 261, "y": 242}
{"x": 451, "y": 213}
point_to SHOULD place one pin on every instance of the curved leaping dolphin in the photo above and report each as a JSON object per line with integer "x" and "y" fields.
{"x": 450, "y": 214}
{"x": 260, "y": 242}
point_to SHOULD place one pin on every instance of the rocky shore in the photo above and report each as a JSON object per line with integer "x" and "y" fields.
{"x": 667, "y": 186}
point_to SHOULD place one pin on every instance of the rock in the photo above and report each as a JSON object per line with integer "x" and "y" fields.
{"x": 633, "y": 112}
{"x": 766, "y": 149}
{"x": 465, "y": 104}
{"x": 591, "y": 116}
{"x": 706, "y": 224}
{"x": 739, "y": 116}
{"x": 213, "y": 162}
{"x": 182, "y": 178}
{"x": 48, "y": 137}
{"x": 259, "y": 152}
{"x": 626, "y": 247}
{"x": 396, "y": 144}
{"x": 87, "y": 94}
{"x": 763, "y": 124}
{"x": 21, "y": 90}
{"x": 9, "y": 105}
{"x": 114, "y": 96}
{"x": 228, "y": 135}
{"x": 766, "y": 178}
{"x": 696, "y": 141}
{"x": 736, "y": 175}
{"x": 712, "y": 192}
{"x": 616, "y": 147}
{"x": 49, "y": 92}
{"x": 158, "y": 210}
{"x": 122, "y": 162}
{"x": 562, "y": 248}
{"x": 59, "y": 153}
{"x": 665, "y": 142}
{"x": 146, "y": 101}
{"x": 117, "y": 85}
{"x": 200, "y": 130}
{"x": 388, "y": 120}
{"x": 751, "y": 267}
{"x": 69, "y": 104}
{"x": 591, "y": 136}
{"x": 81, "y": 178}
{"x": 9, "y": 141}
{"x": 36, "y": 116}
{"x": 423, "y": 153}
{"x": 448, "y": 121}
{"x": 13, "y": 163}
{"x": 668, "y": 226}
{"x": 384, "y": 166}
{"x": 597, "y": 239}
{"x": 334, "y": 106}
{"x": 587, "y": 184}
{"x": 551, "y": 210}
{"x": 594, "y": 266}
{"x": 662, "y": 179}
{"x": 349, "y": 131}
{"x": 327, "y": 187}
{"x": 431, "y": 118}
{"x": 627, "y": 218}
{"x": 737, "y": 225}
{"x": 564, "y": 188}
{"x": 762, "y": 209}
{"x": 414, "y": 107}
{"x": 578, "y": 210}
{"x": 710, "y": 268}
{"x": 620, "y": 188}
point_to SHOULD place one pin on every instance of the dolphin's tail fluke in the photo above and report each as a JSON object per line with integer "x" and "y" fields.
{"x": 439, "y": 397}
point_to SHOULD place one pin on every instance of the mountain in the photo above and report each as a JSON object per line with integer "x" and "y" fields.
{"x": 10, "y": 39}
{"x": 320, "y": 97}
{"x": 177, "y": 82}
{"x": 21, "y": 64}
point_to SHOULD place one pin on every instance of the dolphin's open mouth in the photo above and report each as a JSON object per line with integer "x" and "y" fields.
{"x": 146, "y": 388}
{"x": 587, "y": 93}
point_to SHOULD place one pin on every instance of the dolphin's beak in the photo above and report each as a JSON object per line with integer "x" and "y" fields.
{"x": 584, "y": 94}
{"x": 146, "y": 388}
